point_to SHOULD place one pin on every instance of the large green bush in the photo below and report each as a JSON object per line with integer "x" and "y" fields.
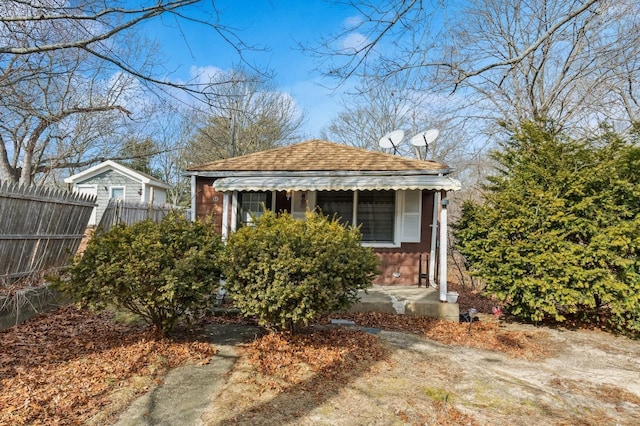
{"x": 558, "y": 235}
{"x": 163, "y": 272}
{"x": 286, "y": 272}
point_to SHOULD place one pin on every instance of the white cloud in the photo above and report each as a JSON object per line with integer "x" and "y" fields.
{"x": 354, "y": 42}
{"x": 352, "y": 22}
{"x": 203, "y": 75}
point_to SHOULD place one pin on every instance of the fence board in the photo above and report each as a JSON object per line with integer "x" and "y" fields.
{"x": 40, "y": 228}
{"x": 129, "y": 212}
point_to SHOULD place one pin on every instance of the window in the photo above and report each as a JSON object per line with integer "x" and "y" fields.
{"x": 336, "y": 203}
{"x": 252, "y": 204}
{"x": 117, "y": 192}
{"x": 375, "y": 211}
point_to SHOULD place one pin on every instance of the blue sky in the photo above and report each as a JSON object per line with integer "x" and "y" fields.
{"x": 278, "y": 25}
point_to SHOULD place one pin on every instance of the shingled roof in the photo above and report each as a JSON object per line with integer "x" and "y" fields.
{"x": 318, "y": 155}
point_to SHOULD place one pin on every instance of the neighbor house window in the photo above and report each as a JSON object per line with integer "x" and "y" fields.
{"x": 117, "y": 192}
{"x": 374, "y": 211}
{"x": 252, "y": 205}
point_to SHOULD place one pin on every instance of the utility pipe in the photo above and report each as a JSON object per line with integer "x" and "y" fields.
{"x": 193, "y": 198}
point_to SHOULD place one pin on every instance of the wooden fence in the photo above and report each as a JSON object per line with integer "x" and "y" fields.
{"x": 40, "y": 228}
{"x": 130, "y": 212}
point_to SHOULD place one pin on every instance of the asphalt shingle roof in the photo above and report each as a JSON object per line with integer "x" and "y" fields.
{"x": 317, "y": 155}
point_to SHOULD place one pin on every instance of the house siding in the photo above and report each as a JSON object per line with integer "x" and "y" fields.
{"x": 104, "y": 181}
{"x": 209, "y": 202}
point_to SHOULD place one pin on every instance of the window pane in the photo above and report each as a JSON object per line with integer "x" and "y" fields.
{"x": 338, "y": 203}
{"x": 117, "y": 193}
{"x": 376, "y": 213}
{"x": 251, "y": 204}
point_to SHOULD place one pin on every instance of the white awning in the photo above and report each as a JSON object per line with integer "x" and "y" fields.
{"x": 336, "y": 183}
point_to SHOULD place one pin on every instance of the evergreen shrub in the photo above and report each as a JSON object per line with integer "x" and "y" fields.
{"x": 287, "y": 272}
{"x": 164, "y": 272}
{"x": 558, "y": 234}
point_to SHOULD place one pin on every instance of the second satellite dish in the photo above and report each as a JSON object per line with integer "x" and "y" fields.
{"x": 391, "y": 140}
{"x": 425, "y": 138}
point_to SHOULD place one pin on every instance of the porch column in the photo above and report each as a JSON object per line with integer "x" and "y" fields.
{"x": 193, "y": 198}
{"x": 225, "y": 215}
{"x": 234, "y": 211}
{"x": 443, "y": 250}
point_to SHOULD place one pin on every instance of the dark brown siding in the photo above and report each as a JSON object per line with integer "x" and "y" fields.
{"x": 404, "y": 260}
{"x": 208, "y": 201}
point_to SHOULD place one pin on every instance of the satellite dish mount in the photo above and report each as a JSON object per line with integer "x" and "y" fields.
{"x": 392, "y": 140}
{"x": 424, "y": 139}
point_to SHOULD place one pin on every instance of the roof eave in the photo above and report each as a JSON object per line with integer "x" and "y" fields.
{"x": 244, "y": 173}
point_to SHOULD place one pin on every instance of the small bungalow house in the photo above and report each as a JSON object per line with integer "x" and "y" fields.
{"x": 112, "y": 180}
{"x": 399, "y": 203}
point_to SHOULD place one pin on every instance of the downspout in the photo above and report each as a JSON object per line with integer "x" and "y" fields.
{"x": 443, "y": 251}
{"x": 434, "y": 236}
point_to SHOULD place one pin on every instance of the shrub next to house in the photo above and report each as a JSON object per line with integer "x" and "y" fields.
{"x": 163, "y": 272}
{"x": 558, "y": 235}
{"x": 287, "y": 272}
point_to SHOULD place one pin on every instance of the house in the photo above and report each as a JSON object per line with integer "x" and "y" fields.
{"x": 399, "y": 202}
{"x": 112, "y": 180}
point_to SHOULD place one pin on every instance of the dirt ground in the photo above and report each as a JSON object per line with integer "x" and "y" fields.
{"x": 584, "y": 378}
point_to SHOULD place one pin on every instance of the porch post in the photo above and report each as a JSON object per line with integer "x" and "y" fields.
{"x": 434, "y": 240}
{"x": 225, "y": 215}
{"x": 193, "y": 198}
{"x": 443, "y": 250}
{"x": 234, "y": 211}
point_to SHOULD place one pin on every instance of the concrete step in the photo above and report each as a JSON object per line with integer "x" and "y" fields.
{"x": 408, "y": 300}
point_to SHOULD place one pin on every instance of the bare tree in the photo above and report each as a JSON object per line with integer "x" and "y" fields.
{"x": 245, "y": 115}
{"x": 94, "y": 26}
{"x": 378, "y": 107}
{"x": 173, "y": 135}
{"x": 72, "y": 76}
{"x": 372, "y": 110}
{"x": 570, "y": 62}
{"x": 56, "y": 111}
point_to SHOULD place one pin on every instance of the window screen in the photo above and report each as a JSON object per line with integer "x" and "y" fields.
{"x": 376, "y": 214}
{"x": 336, "y": 203}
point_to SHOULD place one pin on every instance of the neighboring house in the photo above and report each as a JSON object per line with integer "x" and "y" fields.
{"x": 395, "y": 200}
{"x": 112, "y": 180}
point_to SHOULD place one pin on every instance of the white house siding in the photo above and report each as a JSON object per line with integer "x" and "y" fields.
{"x": 104, "y": 181}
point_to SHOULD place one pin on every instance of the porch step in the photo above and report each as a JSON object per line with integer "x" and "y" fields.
{"x": 409, "y": 300}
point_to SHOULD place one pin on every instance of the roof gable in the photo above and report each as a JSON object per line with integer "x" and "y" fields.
{"x": 318, "y": 156}
{"x": 119, "y": 168}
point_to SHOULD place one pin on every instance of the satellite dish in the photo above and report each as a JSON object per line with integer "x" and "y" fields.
{"x": 425, "y": 138}
{"x": 391, "y": 140}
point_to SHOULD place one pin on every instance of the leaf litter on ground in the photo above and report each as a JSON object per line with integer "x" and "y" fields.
{"x": 64, "y": 366}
